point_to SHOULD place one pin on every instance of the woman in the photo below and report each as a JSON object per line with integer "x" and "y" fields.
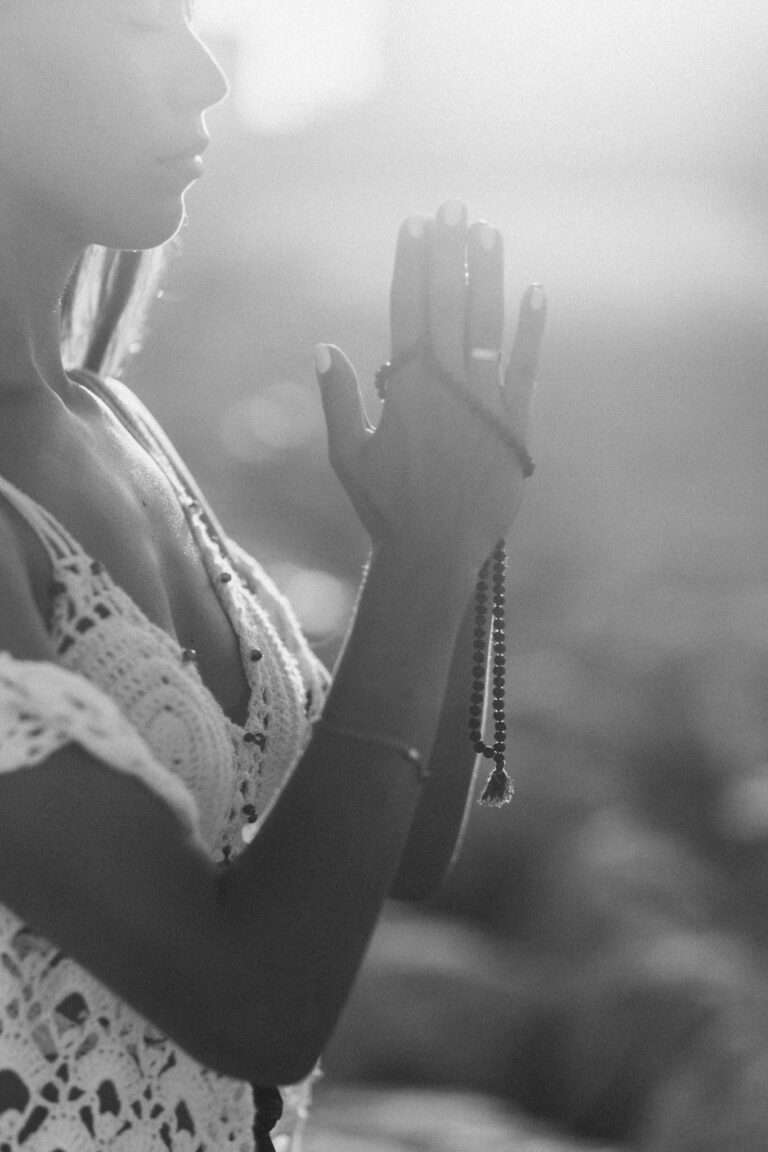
{"x": 157, "y": 958}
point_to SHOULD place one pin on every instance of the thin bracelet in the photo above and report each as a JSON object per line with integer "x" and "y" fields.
{"x": 408, "y": 753}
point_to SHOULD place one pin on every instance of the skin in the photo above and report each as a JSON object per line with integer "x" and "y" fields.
{"x": 247, "y": 968}
{"x": 86, "y": 114}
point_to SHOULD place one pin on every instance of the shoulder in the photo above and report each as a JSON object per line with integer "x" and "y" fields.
{"x": 134, "y": 413}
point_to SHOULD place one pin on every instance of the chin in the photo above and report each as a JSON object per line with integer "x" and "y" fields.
{"x": 139, "y": 232}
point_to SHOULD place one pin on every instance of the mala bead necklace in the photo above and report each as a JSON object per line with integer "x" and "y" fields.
{"x": 498, "y": 789}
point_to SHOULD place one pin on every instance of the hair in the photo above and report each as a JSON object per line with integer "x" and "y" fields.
{"x": 104, "y": 307}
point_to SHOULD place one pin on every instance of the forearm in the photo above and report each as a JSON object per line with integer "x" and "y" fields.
{"x": 328, "y": 851}
{"x": 443, "y": 809}
{"x": 407, "y": 622}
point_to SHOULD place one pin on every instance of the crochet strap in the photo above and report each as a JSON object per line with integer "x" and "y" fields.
{"x": 58, "y": 543}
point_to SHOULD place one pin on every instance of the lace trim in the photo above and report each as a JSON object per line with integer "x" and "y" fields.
{"x": 44, "y": 707}
{"x": 82, "y": 1072}
{"x": 314, "y": 674}
{"x": 288, "y": 683}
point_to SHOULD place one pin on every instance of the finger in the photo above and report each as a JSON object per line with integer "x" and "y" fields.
{"x": 408, "y": 296}
{"x": 446, "y": 282}
{"x": 520, "y": 374}
{"x": 345, "y": 417}
{"x": 485, "y": 308}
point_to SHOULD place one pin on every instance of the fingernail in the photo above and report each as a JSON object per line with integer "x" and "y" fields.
{"x": 415, "y": 226}
{"x": 323, "y": 359}
{"x": 488, "y": 237}
{"x": 452, "y": 213}
{"x": 537, "y": 298}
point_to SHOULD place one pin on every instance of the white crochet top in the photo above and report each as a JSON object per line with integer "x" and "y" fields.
{"x": 79, "y": 1069}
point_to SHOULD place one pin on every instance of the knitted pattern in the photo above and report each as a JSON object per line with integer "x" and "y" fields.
{"x": 43, "y": 707}
{"x": 80, "y": 1071}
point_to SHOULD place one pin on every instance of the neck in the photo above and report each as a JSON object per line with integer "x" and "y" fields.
{"x": 34, "y": 269}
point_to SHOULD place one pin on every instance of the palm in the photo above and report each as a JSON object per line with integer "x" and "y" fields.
{"x": 437, "y": 470}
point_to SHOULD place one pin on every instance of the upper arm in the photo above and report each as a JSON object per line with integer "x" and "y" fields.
{"x": 97, "y": 863}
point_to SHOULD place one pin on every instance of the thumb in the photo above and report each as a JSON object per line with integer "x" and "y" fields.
{"x": 345, "y": 418}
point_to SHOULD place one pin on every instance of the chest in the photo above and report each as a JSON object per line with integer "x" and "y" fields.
{"x": 122, "y": 509}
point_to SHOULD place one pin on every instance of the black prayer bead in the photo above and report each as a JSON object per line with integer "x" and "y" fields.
{"x": 495, "y": 569}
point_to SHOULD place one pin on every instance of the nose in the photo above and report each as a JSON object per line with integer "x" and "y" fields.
{"x": 200, "y": 81}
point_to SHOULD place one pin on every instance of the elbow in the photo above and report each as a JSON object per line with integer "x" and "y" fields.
{"x": 246, "y": 1051}
{"x": 257, "y": 1061}
{"x": 257, "y": 1006}
{"x": 274, "y": 1039}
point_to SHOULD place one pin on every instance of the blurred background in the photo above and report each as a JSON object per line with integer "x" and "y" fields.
{"x": 595, "y": 968}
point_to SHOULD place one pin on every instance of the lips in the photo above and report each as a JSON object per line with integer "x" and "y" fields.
{"x": 191, "y": 152}
{"x": 187, "y": 163}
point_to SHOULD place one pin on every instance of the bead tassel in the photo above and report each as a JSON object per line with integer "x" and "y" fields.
{"x": 498, "y": 789}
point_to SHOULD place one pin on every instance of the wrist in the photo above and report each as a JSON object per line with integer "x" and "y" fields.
{"x": 392, "y": 674}
{"x": 439, "y": 580}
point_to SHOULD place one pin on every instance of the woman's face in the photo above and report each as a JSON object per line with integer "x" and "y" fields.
{"x": 95, "y": 96}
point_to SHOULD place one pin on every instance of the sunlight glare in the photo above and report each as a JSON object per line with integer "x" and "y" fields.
{"x": 298, "y": 59}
